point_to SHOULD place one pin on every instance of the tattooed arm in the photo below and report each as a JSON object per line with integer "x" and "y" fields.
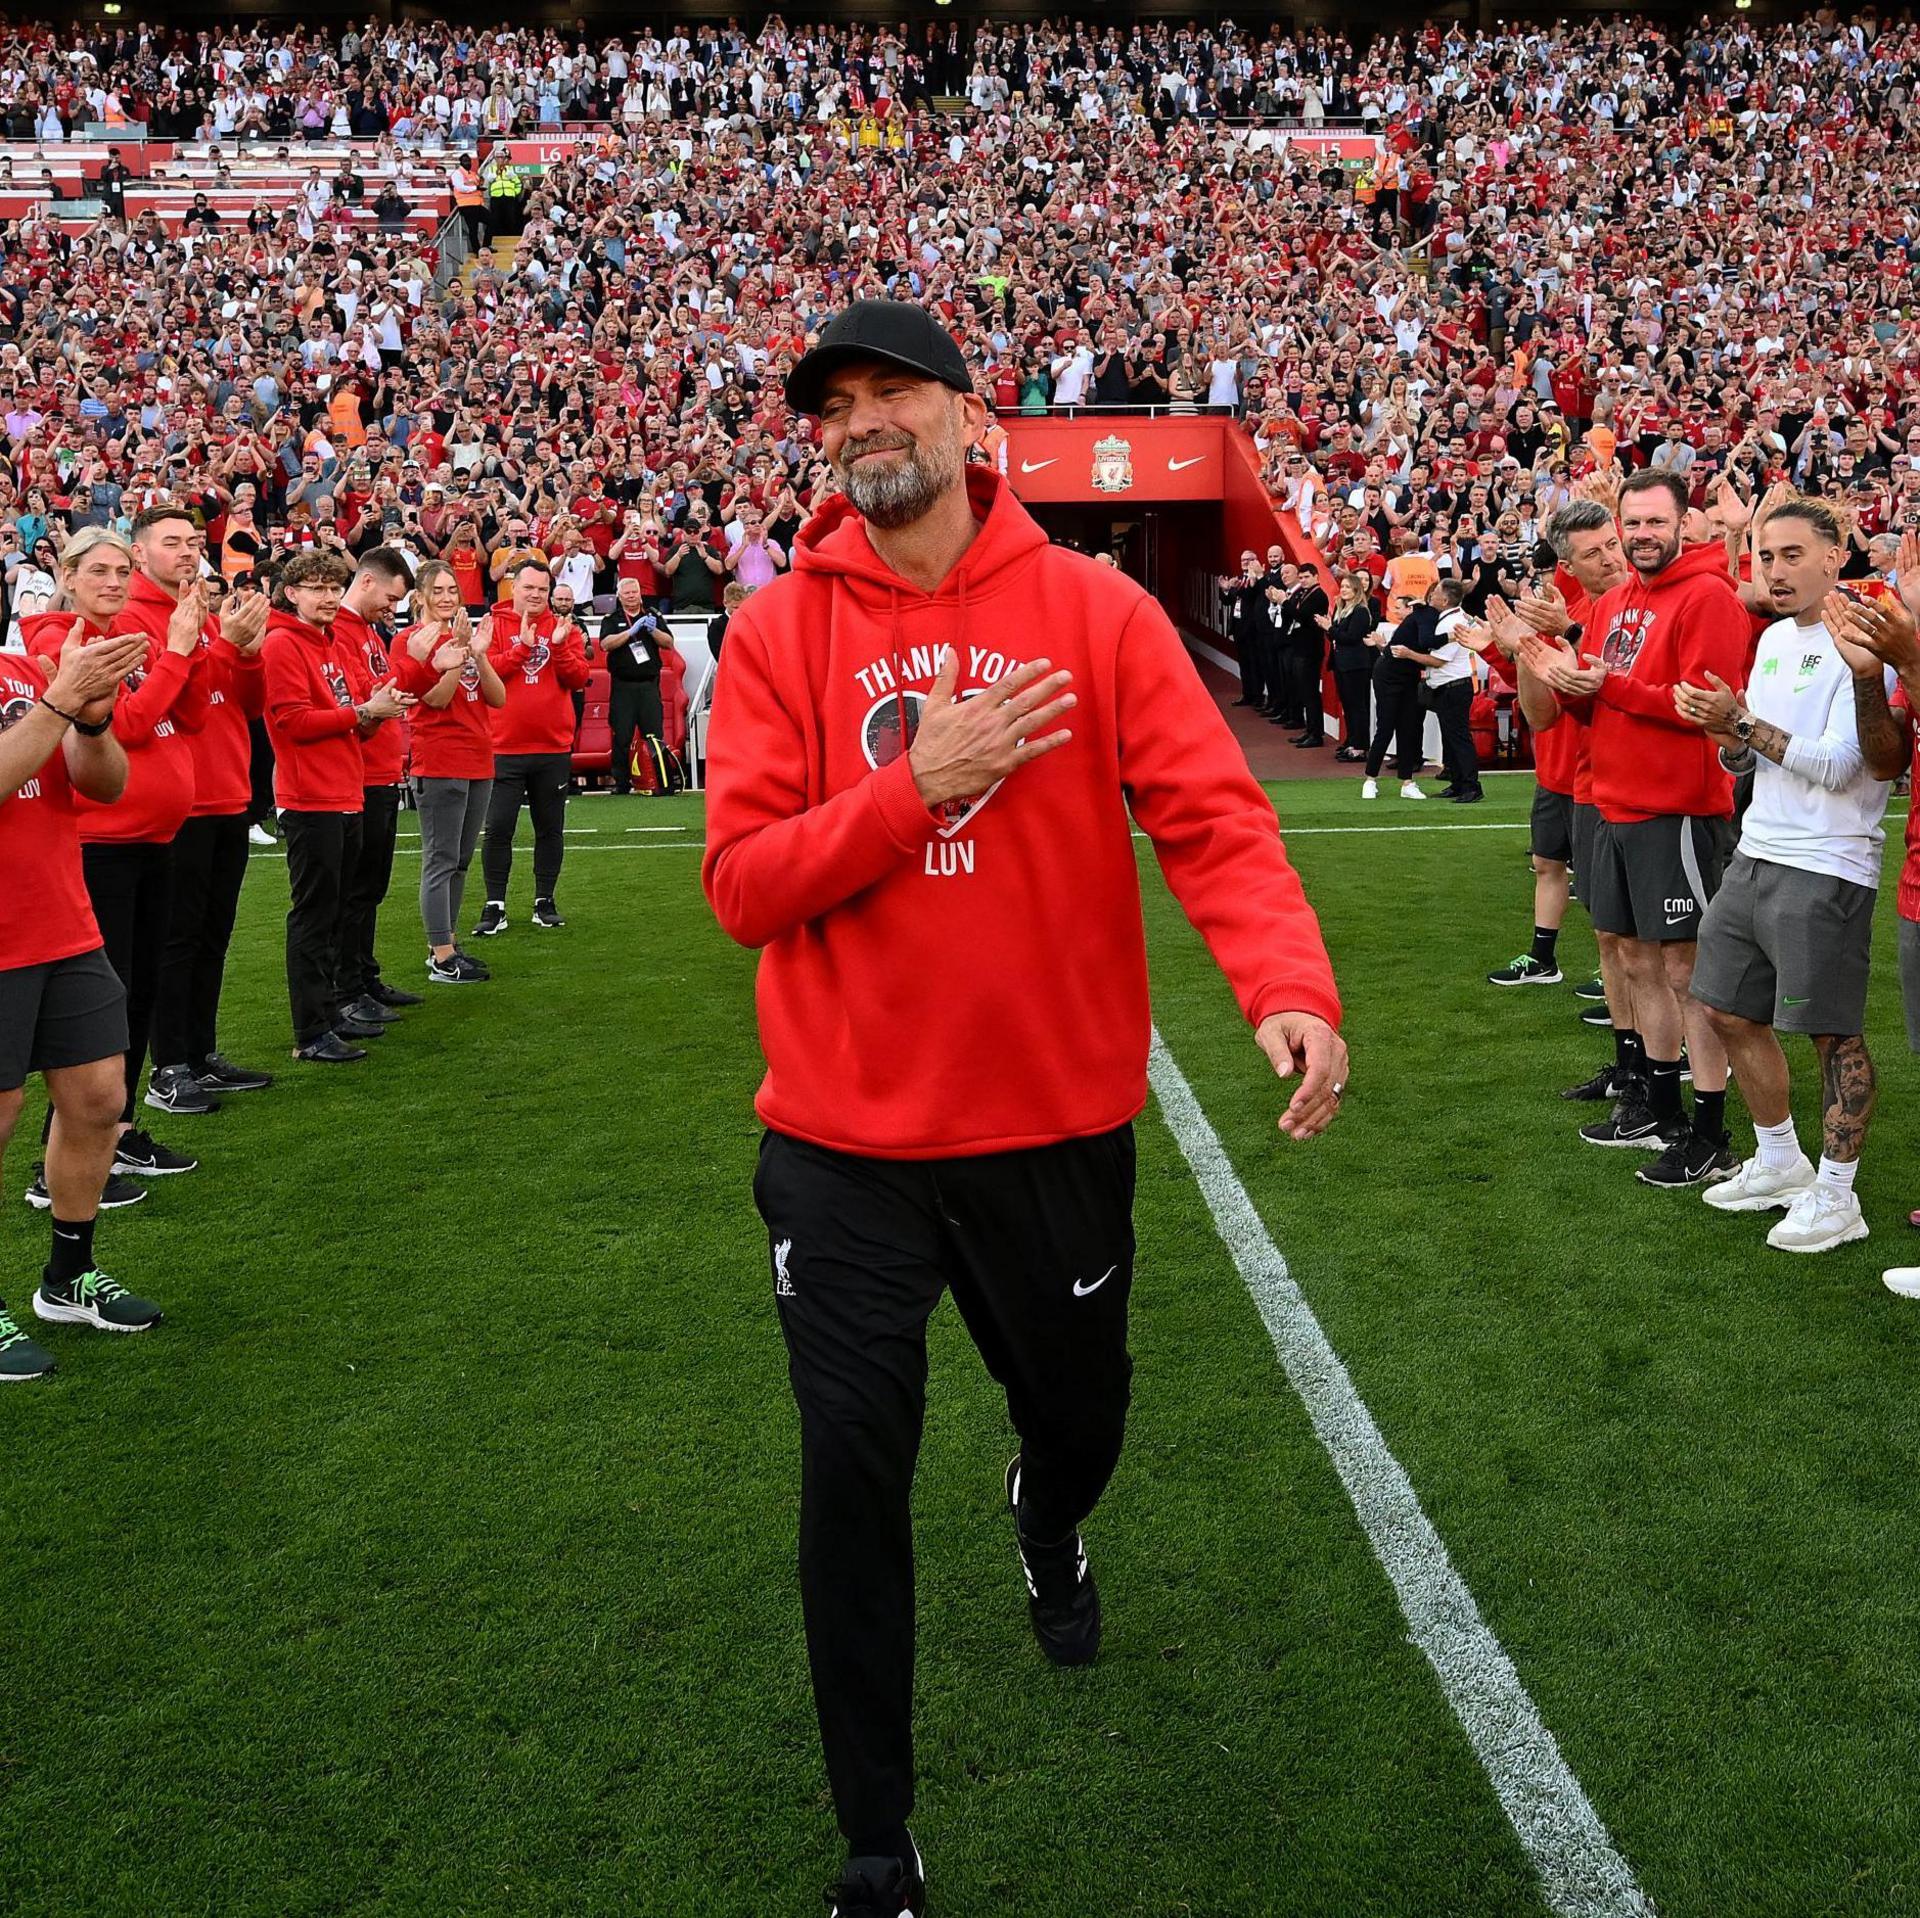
{"x": 1886, "y": 738}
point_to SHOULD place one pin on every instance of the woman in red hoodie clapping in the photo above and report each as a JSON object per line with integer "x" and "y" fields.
{"x": 320, "y": 705}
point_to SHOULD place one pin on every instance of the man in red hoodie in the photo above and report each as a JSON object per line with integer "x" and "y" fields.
{"x": 541, "y": 660}
{"x": 380, "y": 582}
{"x": 210, "y": 849}
{"x": 953, "y": 998}
{"x": 319, "y": 710}
{"x": 1666, "y": 812}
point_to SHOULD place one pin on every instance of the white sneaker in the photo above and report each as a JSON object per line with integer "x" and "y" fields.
{"x": 1759, "y": 1188}
{"x": 260, "y": 836}
{"x": 1411, "y": 791}
{"x": 1903, "y": 1279}
{"x": 1369, "y": 789}
{"x": 1820, "y": 1219}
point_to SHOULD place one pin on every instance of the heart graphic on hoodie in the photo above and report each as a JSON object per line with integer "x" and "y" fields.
{"x": 882, "y": 743}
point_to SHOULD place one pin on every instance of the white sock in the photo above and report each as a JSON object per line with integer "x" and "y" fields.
{"x": 1779, "y": 1145}
{"x": 1837, "y": 1174}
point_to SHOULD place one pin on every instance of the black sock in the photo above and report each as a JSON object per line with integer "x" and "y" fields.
{"x": 1628, "y": 1053}
{"x": 1663, "y": 1080}
{"x": 1709, "y": 1113}
{"x": 885, "y": 1844}
{"x": 1544, "y": 940}
{"x": 72, "y": 1250}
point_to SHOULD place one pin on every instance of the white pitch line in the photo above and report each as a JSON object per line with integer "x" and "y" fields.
{"x": 667, "y": 845}
{"x": 1581, "y": 1872}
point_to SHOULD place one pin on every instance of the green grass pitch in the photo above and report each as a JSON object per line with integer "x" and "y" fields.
{"x": 436, "y": 1555}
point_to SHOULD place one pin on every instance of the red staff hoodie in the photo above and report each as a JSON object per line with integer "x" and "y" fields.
{"x": 314, "y": 682}
{"x": 973, "y": 981}
{"x": 159, "y": 709}
{"x": 383, "y": 755}
{"x": 1682, "y": 624}
{"x": 222, "y": 748}
{"x": 539, "y": 678}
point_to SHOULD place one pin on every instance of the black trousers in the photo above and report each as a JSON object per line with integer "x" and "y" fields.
{"x": 539, "y": 781}
{"x": 1451, "y": 705}
{"x": 260, "y": 773}
{"x": 1355, "y": 684}
{"x": 131, "y": 888}
{"x": 633, "y": 706}
{"x": 1397, "y": 718}
{"x": 1037, "y": 1248}
{"x": 365, "y": 887}
{"x": 209, "y": 868}
{"x": 1253, "y": 666}
{"x": 322, "y": 849}
{"x": 1305, "y": 691}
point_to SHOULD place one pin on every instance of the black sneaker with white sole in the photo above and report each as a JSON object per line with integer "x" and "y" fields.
{"x": 115, "y": 1196}
{"x": 219, "y": 1074}
{"x": 96, "y": 1300}
{"x": 144, "y": 1157}
{"x": 547, "y": 915}
{"x": 1061, "y": 1596}
{"x": 1691, "y": 1158}
{"x": 1592, "y": 989}
{"x": 1608, "y": 1083}
{"x": 1632, "y": 1126}
{"x": 493, "y": 919}
{"x": 1525, "y": 971}
{"x": 175, "y": 1089}
{"x": 20, "y": 1357}
{"x": 880, "y": 1888}
{"x": 1596, "y": 1016}
{"x": 456, "y": 970}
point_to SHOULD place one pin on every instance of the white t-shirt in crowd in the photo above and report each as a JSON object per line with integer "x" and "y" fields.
{"x": 1819, "y": 809}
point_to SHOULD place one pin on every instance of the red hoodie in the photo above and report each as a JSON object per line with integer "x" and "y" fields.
{"x": 222, "y": 748}
{"x": 40, "y": 843}
{"x": 454, "y": 741}
{"x": 1682, "y": 624}
{"x": 159, "y": 709}
{"x": 314, "y": 681}
{"x": 383, "y": 756}
{"x": 538, "y": 715}
{"x": 937, "y": 986}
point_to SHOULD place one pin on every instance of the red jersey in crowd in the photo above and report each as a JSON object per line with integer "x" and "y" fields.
{"x": 384, "y": 755}
{"x": 40, "y": 844}
{"x": 314, "y": 681}
{"x": 1682, "y": 624}
{"x": 454, "y": 741}
{"x": 160, "y": 707}
{"x": 540, "y": 673}
{"x": 975, "y": 980}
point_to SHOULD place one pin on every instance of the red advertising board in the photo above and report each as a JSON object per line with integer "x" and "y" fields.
{"x": 1122, "y": 457}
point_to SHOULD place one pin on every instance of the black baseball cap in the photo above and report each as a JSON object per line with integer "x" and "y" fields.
{"x": 894, "y": 330}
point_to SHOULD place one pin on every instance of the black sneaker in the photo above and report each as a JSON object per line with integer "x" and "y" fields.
{"x": 1607, "y": 1083}
{"x": 175, "y": 1089}
{"x": 329, "y": 1050}
{"x": 481, "y": 970}
{"x": 880, "y": 1888}
{"x": 354, "y": 1032}
{"x": 1596, "y": 1016}
{"x": 1592, "y": 989}
{"x": 1061, "y": 1596}
{"x": 117, "y": 1193}
{"x": 493, "y": 919}
{"x": 1691, "y": 1158}
{"x": 454, "y": 970}
{"x": 96, "y": 1300}
{"x": 219, "y": 1074}
{"x": 147, "y": 1158}
{"x": 1525, "y": 971}
{"x": 20, "y": 1357}
{"x": 383, "y": 994}
{"x": 1633, "y": 1125}
{"x": 547, "y": 914}
{"x": 368, "y": 1011}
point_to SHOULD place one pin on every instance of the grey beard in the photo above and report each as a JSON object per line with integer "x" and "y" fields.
{"x": 894, "y": 496}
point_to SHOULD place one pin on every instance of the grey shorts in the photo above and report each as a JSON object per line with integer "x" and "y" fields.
{"x": 1653, "y": 878}
{"x": 1910, "y": 979}
{"x": 1551, "y": 828}
{"x": 1789, "y": 949}
{"x": 1583, "y": 825}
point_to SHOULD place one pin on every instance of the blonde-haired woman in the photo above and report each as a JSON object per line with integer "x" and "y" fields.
{"x": 443, "y": 662}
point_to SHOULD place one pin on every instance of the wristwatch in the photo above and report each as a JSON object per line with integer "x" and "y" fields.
{"x": 1743, "y": 728}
